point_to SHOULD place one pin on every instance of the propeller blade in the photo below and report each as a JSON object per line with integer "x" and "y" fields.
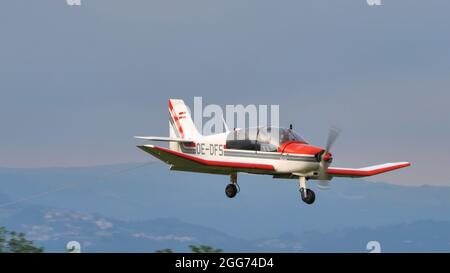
{"x": 325, "y": 157}
{"x": 323, "y": 184}
{"x": 332, "y": 136}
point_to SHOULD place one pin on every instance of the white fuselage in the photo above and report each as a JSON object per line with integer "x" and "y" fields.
{"x": 213, "y": 148}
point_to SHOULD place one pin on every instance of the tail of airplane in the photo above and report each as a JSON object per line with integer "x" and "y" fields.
{"x": 181, "y": 124}
{"x": 182, "y": 130}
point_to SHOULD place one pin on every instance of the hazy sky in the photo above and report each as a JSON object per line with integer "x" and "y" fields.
{"x": 77, "y": 83}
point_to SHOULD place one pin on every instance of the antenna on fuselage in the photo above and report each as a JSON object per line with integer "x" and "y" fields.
{"x": 227, "y": 129}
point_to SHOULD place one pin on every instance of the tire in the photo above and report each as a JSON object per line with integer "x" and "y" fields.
{"x": 310, "y": 196}
{"x": 231, "y": 190}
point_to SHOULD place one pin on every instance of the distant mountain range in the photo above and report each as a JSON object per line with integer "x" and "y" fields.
{"x": 54, "y": 228}
{"x": 135, "y": 208}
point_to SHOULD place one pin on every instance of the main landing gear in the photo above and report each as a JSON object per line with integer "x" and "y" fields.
{"x": 307, "y": 195}
{"x": 233, "y": 188}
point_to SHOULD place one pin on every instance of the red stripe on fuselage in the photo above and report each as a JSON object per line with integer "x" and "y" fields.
{"x": 218, "y": 163}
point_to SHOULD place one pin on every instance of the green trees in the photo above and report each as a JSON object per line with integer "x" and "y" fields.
{"x": 204, "y": 249}
{"x": 165, "y": 250}
{"x": 12, "y": 242}
{"x": 195, "y": 249}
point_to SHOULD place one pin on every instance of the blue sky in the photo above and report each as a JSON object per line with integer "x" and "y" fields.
{"x": 77, "y": 83}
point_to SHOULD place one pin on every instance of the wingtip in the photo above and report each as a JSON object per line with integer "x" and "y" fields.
{"x": 145, "y": 147}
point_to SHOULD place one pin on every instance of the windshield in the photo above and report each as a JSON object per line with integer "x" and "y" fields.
{"x": 261, "y": 139}
{"x": 289, "y": 135}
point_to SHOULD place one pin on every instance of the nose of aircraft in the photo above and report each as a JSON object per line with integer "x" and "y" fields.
{"x": 327, "y": 157}
{"x": 306, "y": 149}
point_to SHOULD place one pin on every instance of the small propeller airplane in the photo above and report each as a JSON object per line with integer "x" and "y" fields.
{"x": 254, "y": 151}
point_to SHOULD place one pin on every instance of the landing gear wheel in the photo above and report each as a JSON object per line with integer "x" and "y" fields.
{"x": 310, "y": 196}
{"x": 231, "y": 190}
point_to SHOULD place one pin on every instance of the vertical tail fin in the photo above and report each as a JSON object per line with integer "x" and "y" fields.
{"x": 180, "y": 120}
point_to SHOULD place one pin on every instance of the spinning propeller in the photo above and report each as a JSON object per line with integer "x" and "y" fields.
{"x": 325, "y": 157}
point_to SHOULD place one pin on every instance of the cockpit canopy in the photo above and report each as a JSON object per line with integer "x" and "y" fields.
{"x": 266, "y": 139}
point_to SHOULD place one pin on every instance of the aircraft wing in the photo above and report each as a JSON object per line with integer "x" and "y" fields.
{"x": 168, "y": 139}
{"x": 186, "y": 161}
{"x": 367, "y": 171}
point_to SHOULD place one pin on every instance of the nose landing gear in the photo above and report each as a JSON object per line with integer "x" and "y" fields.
{"x": 308, "y": 196}
{"x": 233, "y": 188}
